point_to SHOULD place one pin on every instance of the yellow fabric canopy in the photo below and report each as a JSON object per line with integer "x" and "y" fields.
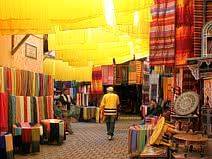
{"x": 80, "y": 32}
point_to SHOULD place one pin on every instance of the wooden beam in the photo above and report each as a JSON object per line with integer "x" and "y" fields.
{"x": 14, "y": 49}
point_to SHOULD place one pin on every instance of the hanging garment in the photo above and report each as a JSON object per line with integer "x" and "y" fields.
{"x": 97, "y": 80}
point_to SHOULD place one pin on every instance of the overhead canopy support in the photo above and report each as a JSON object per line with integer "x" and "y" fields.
{"x": 14, "y": 49}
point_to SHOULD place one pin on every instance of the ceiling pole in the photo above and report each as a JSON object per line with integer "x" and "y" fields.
{"x": 14, "y": 49}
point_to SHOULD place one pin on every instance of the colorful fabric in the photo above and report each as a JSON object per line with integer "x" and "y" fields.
{"x": 138, "y": 136}
{"x": 132, "y": 72}
{"x": 207, "y": 92}
{"x": 108, "y": 75}
{"x": 184, "y": 32}
{"x": 139, "y": 72}
{"x": 3, "y": 112}
{"x": 97, "y": 80}
{"x": 35, "y": 139}
{"x": 168, "y": 85}
{"x": 162, "y": 33}
{"x": 89, "y": 113}
{"x": 188, "y": 80}
{"x": 121, "y": 74}
{"x": 9, "y": 146}
{"x": 49, "y": 104}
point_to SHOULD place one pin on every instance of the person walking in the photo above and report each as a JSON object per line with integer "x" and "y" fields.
{"x": 110, "y": 103}
{"x": 66, "y": 101}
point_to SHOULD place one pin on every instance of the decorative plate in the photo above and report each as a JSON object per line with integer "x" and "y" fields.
{"x": 186, "y": 103}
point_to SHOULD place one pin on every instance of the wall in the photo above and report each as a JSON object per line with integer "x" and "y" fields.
{"x": 19, "y": 60}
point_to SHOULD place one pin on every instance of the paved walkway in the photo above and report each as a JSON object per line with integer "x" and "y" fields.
{"x": 89, "y": 141}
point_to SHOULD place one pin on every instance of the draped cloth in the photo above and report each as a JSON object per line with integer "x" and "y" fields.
{"x": 3, "y": 112}
{"x": 188, "y": 80}
{"x": 49, "y": 107}
{"x": 121, "y": 74}
{"x": 108, "y": 75}
{"x": 132, "y": 72}
{"x": 162, "y": 33}
{"x": 184, "y": 32}
{"x": 2, "y": 89}
{"x": 97, "y": 80}
{"x": 139, "y": 72}
{"x": 168, "y": 85}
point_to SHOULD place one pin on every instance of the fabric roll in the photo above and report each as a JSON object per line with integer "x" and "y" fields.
{"x": 3, "y": 112}
{"x": 26, "y": 139}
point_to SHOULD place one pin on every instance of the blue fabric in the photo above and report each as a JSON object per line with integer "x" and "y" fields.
{"x": 2, "y": 142}
{"x": 133, "y": 144}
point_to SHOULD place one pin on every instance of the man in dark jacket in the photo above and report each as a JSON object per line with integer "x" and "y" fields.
{"x": 155, "y": 109}
{"x": 66, "y": 101}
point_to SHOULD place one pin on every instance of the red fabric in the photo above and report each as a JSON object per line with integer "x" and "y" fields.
{"x": 25, "y": 109}
{"x": 26, "y": 135}
{"x": 184, "y": 32}
{"x": 3, "y": 112}
{"x": 25, "y": 125}
{"x": 41, "y": 84}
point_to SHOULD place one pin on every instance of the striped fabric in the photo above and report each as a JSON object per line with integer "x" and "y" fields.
{"x": 6, "y": 146}
{"x": 168, "y": 85}
{"x": 110, "y": 111}
{"x": 97, "y": 80}
{"x": 162, "y": 33}
{"x": 139, "y": 72}
{"x": 188, "y": 80}
{"x": 184, "y": 32}
{"x": 138, "y": 136}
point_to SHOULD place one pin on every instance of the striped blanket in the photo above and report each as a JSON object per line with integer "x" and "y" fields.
{"x": 108, "y": 75}
{"x": 162, "y": 33}
{"x": 97, "y": 80}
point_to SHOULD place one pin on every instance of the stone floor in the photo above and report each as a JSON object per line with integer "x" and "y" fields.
{"x": 89, "y": 141}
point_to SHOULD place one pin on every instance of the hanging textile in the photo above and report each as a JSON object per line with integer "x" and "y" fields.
{"x": 154, "y": 84}
{"x": 49, "y": 106}
{"x": 97, "y": 80}
{"x": 3, "y": 112}
{"x": 162, "y": 33}
{"x": 9, "y": 80}
{"x": 121, "y": 74}
{"x": 168, "y": 85}
{"x": 139, "y": 72}
{"x": 2, "y": 79}
{"x": 132, "y": 72}
{"x": 108, "y": 75}
{"x": 184, "y": 32}
{"x": 188, "y": 80}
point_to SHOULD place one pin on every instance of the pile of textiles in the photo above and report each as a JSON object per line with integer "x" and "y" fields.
{"x": 26, "y": 137}
{"x": 138, "y": 136}
{"x": 53, "y": 131}
{"x": 6, "y": 146}
{"x": 89, "y": 113}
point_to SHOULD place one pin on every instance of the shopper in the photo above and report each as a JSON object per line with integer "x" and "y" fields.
{"x": 110, "y": 103}
{"x": 155, "y": 109}
{"x": 67, "y": 102}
